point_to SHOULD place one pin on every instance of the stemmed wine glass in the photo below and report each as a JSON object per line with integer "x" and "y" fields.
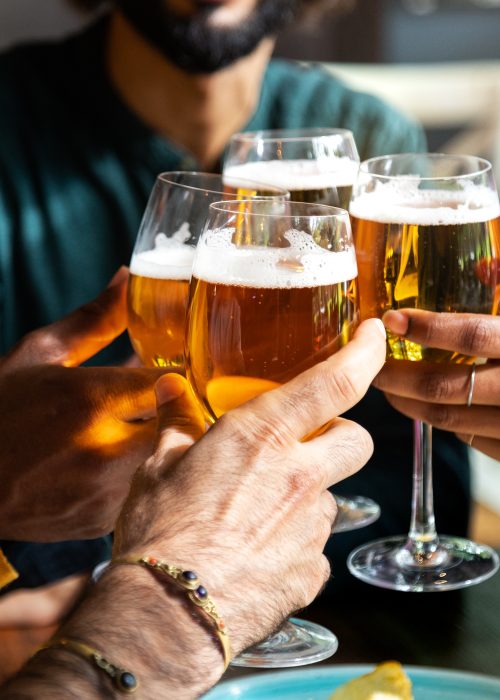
{"x": 160, "y": 268}
{"x": 425, "y": 232}
{"x": 315, "y": 165}
{"x": 273, "y": 292}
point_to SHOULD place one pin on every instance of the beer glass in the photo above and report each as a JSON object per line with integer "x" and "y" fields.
{"x": 427, "y": 236}
{"x": 273, "y": 292}
{"x": 315, "y": 165}
{"x": 160, "y": 268}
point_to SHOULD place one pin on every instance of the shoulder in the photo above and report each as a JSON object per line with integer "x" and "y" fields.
{"x": 309, "y": 95}
{"x": 38, "y": 72}
{"x": 29, "y": 61}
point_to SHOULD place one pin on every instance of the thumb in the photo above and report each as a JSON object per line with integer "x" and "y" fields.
{"x": 180, "y": 419}
{"x": 79, "y": 335}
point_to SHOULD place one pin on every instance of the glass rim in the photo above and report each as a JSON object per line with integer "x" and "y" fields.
{"x": 234, "y": 206}
{"x": 486, "y": 166}
{"x": 295, "y": 135}
{"x": 168, "y": 177}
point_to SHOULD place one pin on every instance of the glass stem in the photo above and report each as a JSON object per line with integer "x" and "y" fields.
{"x": 422, "y": 538}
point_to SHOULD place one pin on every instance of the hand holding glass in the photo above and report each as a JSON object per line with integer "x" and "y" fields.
{"x": 273, "y": 292}
{"x": 426, "y": 229}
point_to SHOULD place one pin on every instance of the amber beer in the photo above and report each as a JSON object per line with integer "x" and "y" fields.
{"x": 254, "y": 323}
{"x": 157, "y": 300}
{"x": 432, "y": 252}
{"x": 317, "y": 182}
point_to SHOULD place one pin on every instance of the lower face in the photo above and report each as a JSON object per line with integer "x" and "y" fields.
{"x": 204, "y": 36}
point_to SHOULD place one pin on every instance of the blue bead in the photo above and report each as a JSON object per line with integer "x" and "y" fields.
{"x": 201, "y": 592}
{"x": 189, "y": 575}
{"x": 127, "y": 681}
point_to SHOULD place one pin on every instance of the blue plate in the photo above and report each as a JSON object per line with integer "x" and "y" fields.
{"x": 318, "y": 683}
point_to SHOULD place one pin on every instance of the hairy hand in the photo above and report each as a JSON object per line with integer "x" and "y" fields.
{"x": 437, "y": 392}
{"x": 248, "y": 505}
{"x": 71, "y": 436}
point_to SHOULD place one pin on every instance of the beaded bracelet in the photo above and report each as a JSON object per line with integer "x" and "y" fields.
{"x": 196, "y": 593}
{"x": 124, "y": 680}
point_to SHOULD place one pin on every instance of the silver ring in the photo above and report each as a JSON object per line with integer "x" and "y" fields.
{"x": 471, "y": 440}
{"x": 472, "y": 381}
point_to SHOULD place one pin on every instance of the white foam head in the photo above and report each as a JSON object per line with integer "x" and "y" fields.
{"x": 316, "y": 174}
{"x": 402, "y": 202}
{"x": 303, "y": 264}
{"x": 170, "y": 259}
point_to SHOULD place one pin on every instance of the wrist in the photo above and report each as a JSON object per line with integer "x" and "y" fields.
{"x": 142, "y": 623}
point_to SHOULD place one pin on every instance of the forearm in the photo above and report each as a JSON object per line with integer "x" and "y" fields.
{"x": 137, "y": 623}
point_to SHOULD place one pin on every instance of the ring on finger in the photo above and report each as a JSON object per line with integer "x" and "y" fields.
{"x": 472, "y": 381}
{"x": 470, "y": 440}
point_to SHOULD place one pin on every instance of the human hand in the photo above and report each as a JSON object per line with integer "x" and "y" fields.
{"x": 247, "y": 506}
{"x": 437, "y": 393}
{"x": 71, "y": 436}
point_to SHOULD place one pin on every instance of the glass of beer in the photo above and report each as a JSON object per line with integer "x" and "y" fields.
{"x": 316, "y": 166}
{"x": 160, "y": 268}
{"x": 427, "y": 235}
{"x": 273, "y": 292}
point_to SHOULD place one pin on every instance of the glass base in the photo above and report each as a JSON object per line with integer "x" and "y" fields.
{"x": 455, "y": 563}
{"x": 355, "y": 512}
{"x": 297, "y": 643}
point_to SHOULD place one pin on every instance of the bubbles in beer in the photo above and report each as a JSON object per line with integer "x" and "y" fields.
{"x": 302, "y": 264}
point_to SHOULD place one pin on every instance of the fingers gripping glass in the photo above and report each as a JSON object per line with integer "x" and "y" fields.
{"x": 315, "y": 166}
{"x": 426, "y": 233}
{"x": 273, "y": 292}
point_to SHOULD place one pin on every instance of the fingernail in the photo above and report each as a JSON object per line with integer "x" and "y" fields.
{"x": 119, "y": 276}
{"x": 396, "y": 322}
{"x": 169, "y": 387}
{"x": 380, "y": 327}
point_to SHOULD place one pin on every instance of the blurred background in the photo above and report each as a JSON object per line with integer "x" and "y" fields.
{"x": 438, "y": 60}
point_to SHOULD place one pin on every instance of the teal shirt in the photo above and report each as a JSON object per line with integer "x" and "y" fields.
{"x": 76, "y": 166}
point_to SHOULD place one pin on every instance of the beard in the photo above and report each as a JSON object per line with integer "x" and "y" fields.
{"x": 193, "y": 44}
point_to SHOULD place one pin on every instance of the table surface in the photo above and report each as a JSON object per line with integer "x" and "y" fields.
{"x": 458, "y": 630}
{"x": 455, "y": 629}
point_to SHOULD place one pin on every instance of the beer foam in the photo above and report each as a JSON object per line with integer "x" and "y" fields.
{"x": 402, "y": 202}
{"x": 303, "y": 264}
{"x": 317, "y": 174}
{"x": 170, "y": 259}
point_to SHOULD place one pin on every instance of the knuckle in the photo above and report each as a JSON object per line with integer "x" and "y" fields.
{"x": 302, "y": 481}
{"x": 350, "y": 450}
{"x": 339, "y": 383}
{"x": 39, "y": 346}
{"x": 442, "y": 416}
{"x": 475, "y": 335}
{"x": 269, "y": 431}
{"x": 434, "y": 386}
